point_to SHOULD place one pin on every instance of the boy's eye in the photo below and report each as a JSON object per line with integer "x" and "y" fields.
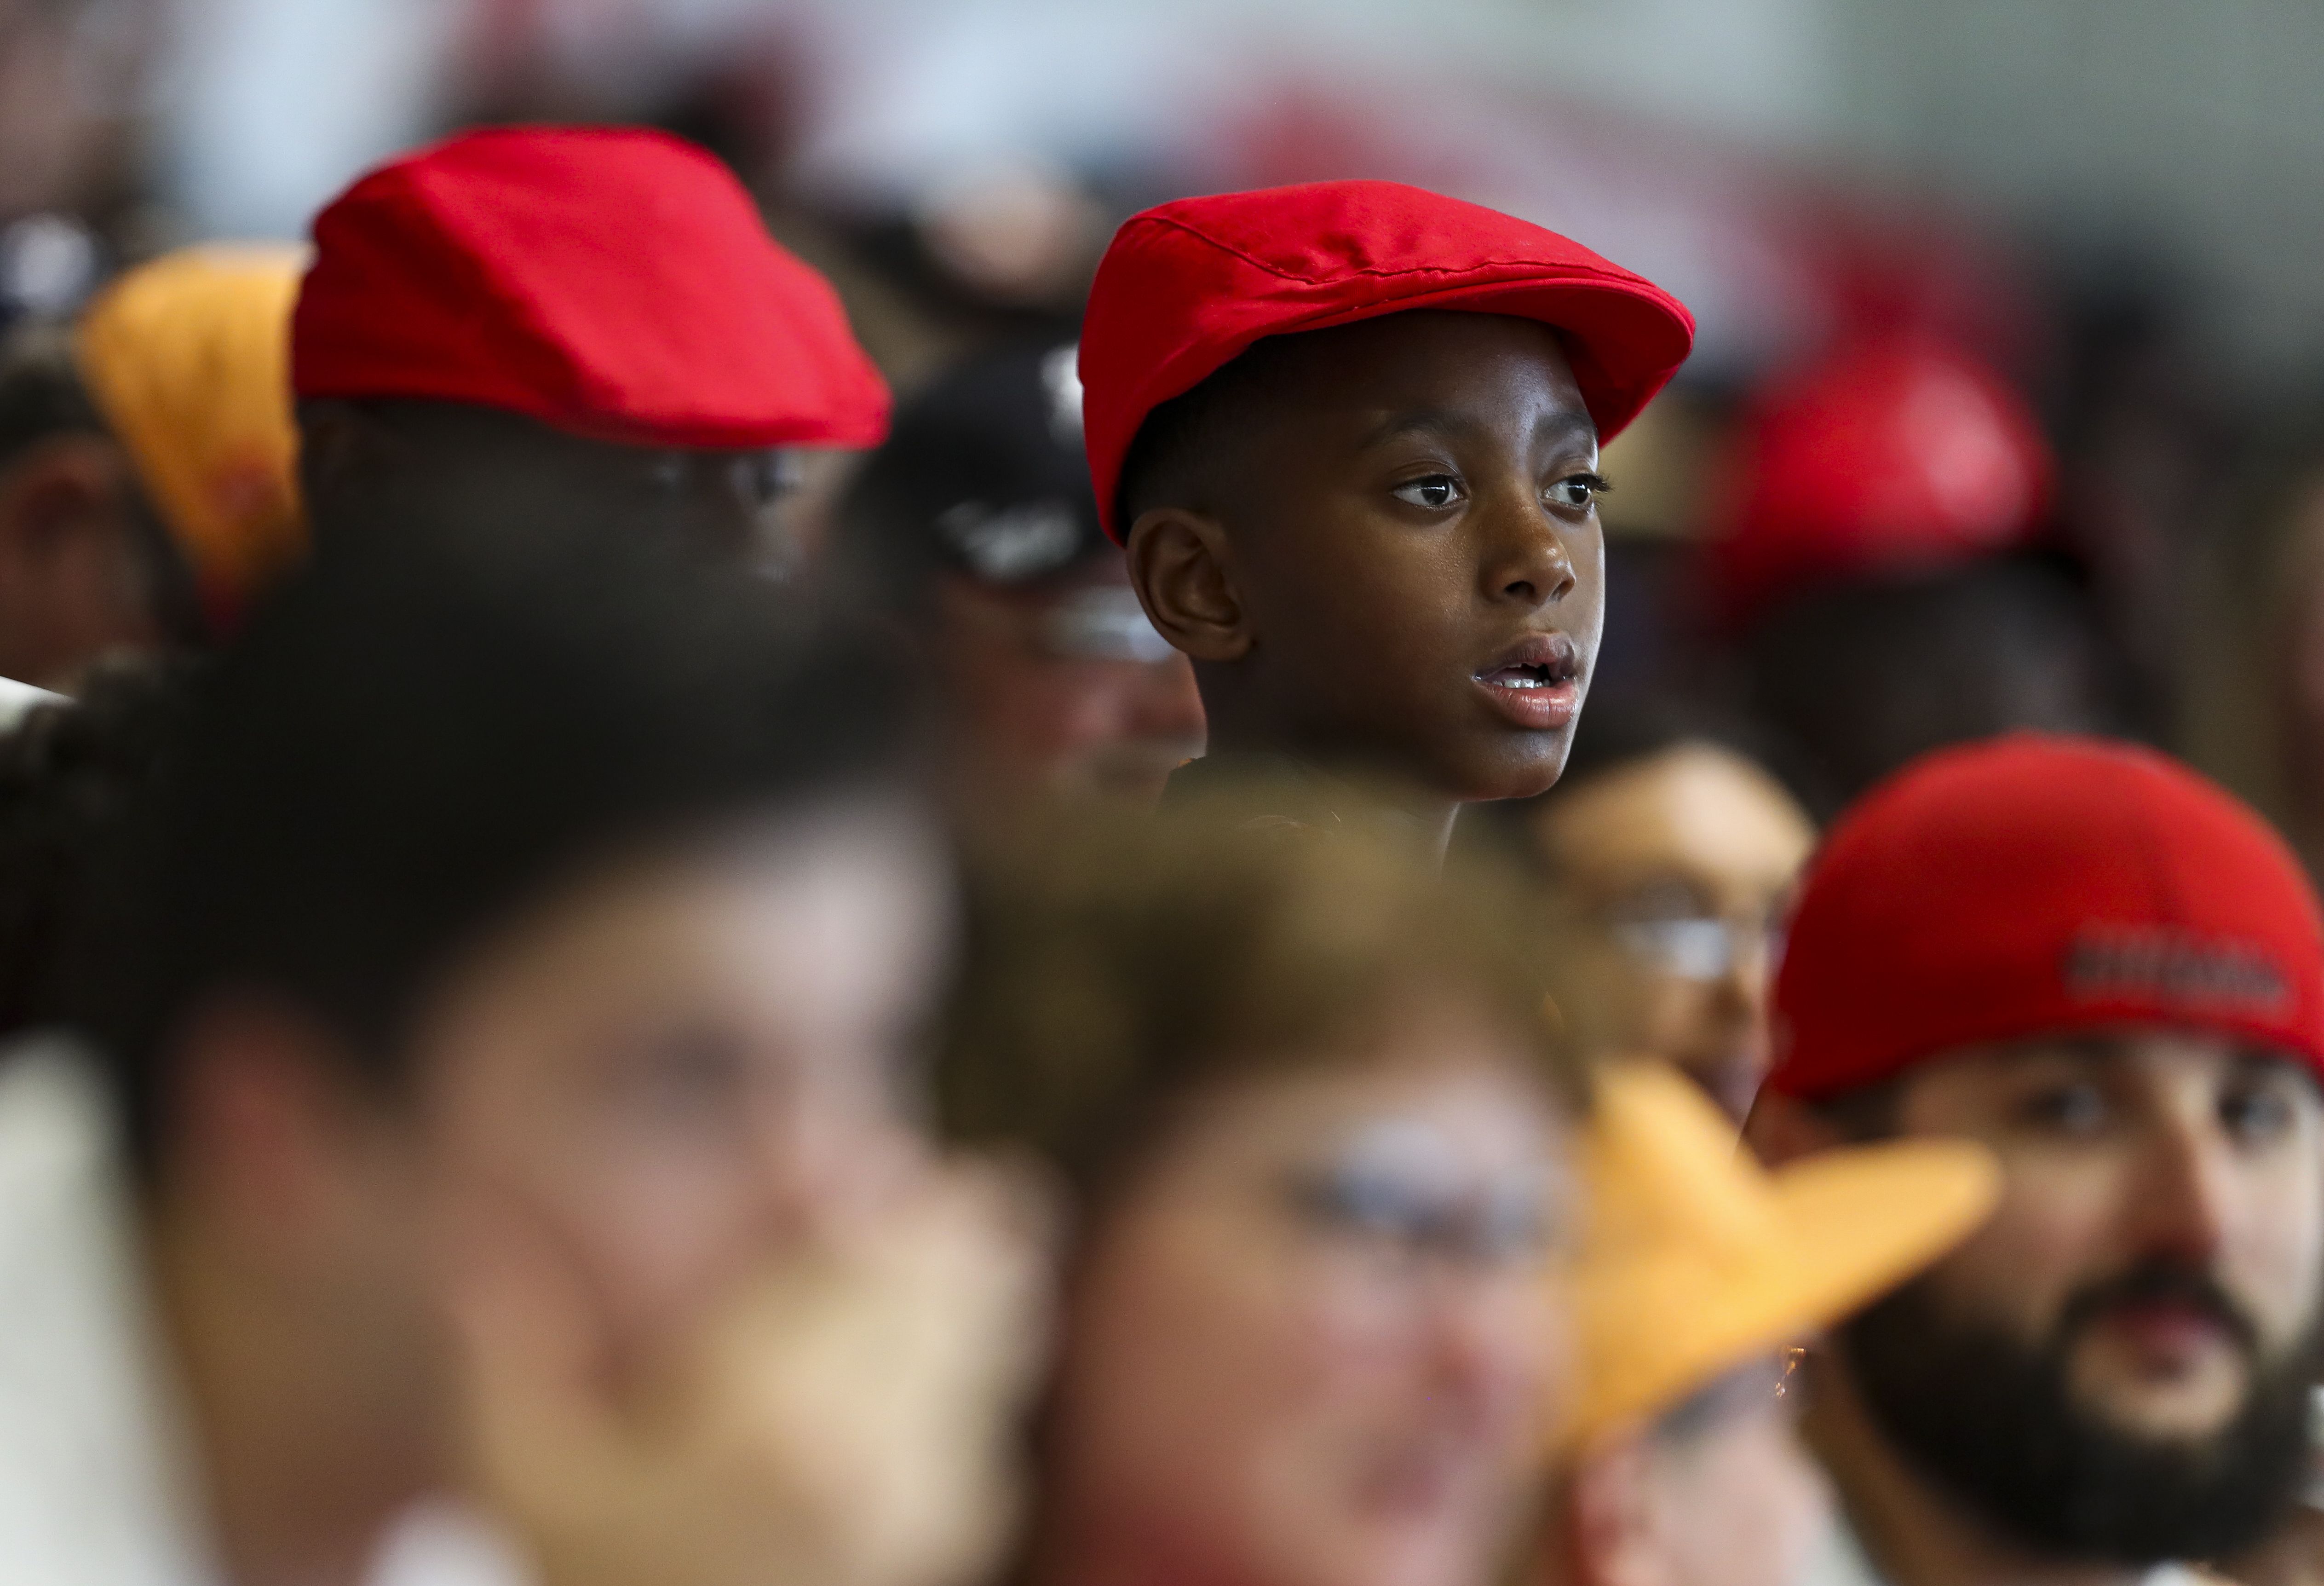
{"x": 1434, "y": 492}
{"x": 1576, "y": 492}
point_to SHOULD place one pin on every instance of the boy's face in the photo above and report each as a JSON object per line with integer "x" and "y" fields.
{"x": 1399, "y": 562}
{"x": 689, "y": 1067}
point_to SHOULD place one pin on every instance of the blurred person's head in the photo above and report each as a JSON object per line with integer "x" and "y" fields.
{"x": 1892, "y": 453}
{"x": 591, "y": 321}
{"x": 1671, "y": 851}
{"x": 2112, "y": 974}
{"x": 547, "y": 880}
{"x": 1864, "y": 676}
{"x": 1682, "y": 1468}
{"x": 972, "y": 529}
{"x": 1317, "y": 1155}
{"x": 1718, "y": 1491}
{"x": 147, "y": 463}
{"x": 1349, "y": 435}
{"x": 1875, "y": 562}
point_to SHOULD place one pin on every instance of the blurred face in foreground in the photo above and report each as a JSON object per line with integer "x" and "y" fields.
{"x": 1064, "y": 691}
{"x": 1312, "y": 1341}
{"x": 1718, "y": 1492}
{"x": 2115, "y": 1367}
{"x": 1677, "y": 867}
{"x": 683, "y": 1065}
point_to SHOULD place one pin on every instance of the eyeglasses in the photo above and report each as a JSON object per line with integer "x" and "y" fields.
{"x": 1102, "y": 623}
{"x": 1475, "y": 1226}
{"x": 1696, "y": 946}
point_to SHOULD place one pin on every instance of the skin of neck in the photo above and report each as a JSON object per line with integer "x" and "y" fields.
{"x": 1914, "y": 1533}
{"x": 1354, "y": 784}
{"x": 307, "y": 1439}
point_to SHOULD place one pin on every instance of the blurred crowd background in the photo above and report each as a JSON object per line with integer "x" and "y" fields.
{"x": 2006, "y": 411}
{"x": 2061, "y": 249}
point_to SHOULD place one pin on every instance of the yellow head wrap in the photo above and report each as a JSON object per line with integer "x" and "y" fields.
{"x": 188, "y": 358}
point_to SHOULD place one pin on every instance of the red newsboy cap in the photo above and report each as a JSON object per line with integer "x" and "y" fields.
{"x": 2034, "y": 883}
{"x": 1895, "y": 454}
{"x": 612, "y": 283}
{"x": 1186, "y": 286}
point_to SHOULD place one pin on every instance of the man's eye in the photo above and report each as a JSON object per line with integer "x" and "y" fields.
{"x": 1576, "y": 492}
{"x": 1435, "y": 492}
{"x": 2257, "y": 1115}
{"x": 2075, "y": 1109}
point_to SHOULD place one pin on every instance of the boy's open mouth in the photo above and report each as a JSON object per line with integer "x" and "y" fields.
{"x": 1543, "y": 660}
{"x": 1535, "y": 683}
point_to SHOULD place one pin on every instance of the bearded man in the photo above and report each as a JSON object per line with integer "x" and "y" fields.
{"x": 2112, "y": 974}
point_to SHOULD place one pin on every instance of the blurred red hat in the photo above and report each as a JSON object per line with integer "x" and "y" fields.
{"x": 1897, "y": 454}
{"x": 612, "y": 283}
{"x": 1185, "y": 287}
{"x": 2034, "y": 883}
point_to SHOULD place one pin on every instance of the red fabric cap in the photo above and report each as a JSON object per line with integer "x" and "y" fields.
{"x": 1185, "y": 287}
{"x": 2033, "y": 883}
{"x": 612, "y": 283}
{"x": 1897, "y": 454}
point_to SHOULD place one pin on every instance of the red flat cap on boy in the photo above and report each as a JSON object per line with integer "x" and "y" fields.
{"x": 613, "y": 283}
{"x": 1347, "y": 434}
{"x": 1187, "y": 286}
{"x": 568, "y": 323}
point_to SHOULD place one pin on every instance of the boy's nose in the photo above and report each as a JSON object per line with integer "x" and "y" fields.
{"x": 1529, "y": 563}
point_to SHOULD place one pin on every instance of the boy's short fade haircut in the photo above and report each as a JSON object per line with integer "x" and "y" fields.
{"x": 423, "y": 735}
{"x": 1186, "y": 287}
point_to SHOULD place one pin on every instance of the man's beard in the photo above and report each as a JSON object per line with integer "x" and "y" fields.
{"x": 1996, "y": 1425}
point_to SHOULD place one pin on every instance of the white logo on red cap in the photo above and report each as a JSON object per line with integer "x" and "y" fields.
{"x": 2159, "y": 964}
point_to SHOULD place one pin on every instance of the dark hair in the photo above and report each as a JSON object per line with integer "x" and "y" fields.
{"x": 70, "y": 773}
{"x": 41, "y": 389}
{"x": 1130, "y": 970}
{"x": 1868, "y": 675}
{"x": 420, "y": 735}
{"x": 1165, "y": 457}
{"x": 1160, "y": 461}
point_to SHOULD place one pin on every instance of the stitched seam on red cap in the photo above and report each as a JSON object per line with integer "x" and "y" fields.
{"x": 1612, "y": 270}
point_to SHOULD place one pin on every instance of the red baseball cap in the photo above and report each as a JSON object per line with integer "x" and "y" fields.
{"x": 612, "y": 283}
{"x": 1186, "y": 286}
{"x": 2034, "y": 883}
{"x": 1897, "y": 453}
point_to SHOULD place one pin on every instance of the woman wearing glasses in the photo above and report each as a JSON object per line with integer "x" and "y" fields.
{"x": 1315, "y": 1148}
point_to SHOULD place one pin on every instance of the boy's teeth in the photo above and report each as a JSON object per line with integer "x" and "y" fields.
{"x": 1516, "y": 678}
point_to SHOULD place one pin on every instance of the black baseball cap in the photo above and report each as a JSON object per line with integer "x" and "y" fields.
{"x": 983, "y": 475}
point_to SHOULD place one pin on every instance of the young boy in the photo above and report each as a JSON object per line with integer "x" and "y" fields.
{"x": 584, "y": 322}
{"x": 1348, "y": 433}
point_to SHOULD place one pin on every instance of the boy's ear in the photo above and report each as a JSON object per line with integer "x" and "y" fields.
{"x": 1183, "y": 568}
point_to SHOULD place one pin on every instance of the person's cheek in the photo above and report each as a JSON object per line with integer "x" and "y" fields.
{"x": 2273, "y": 1263}
{"x": 664, "y": 1225}
{"x": 2051, "y": 1235}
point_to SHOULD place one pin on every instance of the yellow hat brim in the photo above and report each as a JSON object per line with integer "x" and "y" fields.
{"x": 1659, "y": 1322}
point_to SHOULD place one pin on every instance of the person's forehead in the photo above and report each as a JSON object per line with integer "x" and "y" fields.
{"x": 1473, "y": 1094}
{"x": 1692, "y": 811}
{"x": 1429, "y": 364}
{"x": 2129, "y": 1052}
